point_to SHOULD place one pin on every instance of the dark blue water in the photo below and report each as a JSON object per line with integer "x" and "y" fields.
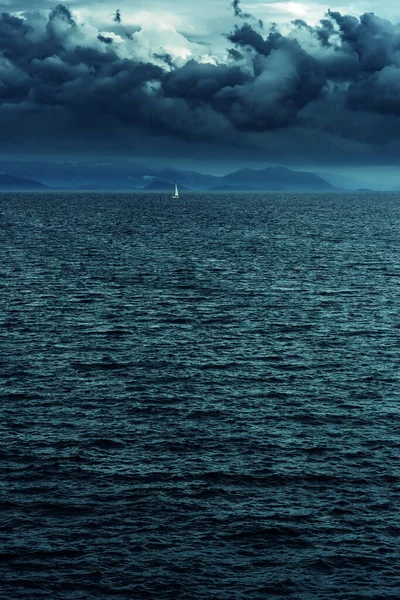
{"x": 200, "y": 398}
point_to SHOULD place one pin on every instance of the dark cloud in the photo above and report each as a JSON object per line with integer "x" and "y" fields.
{"x": 14, "y": 37}
{"x": 246, "y": 36}
{"x": 117, "y": 17}
{"x": 235, "y": 54}
{"x": 238, "y": 11}
{"x": 60, "y": 87}
{"x": 323, "y": 32}
{"x": 201, "y": 81}
{"x": 165, "y": 57}
{"x": 375, "y": 41}
{"x": 60, "y": 14}
{"x": 104, "y": 39}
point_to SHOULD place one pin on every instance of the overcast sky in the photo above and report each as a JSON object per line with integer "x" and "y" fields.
{"x": 192, "y": 10}
{"x": 202, "y": 83}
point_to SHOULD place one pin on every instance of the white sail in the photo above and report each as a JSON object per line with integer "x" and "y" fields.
{"x": 176, "y": 194}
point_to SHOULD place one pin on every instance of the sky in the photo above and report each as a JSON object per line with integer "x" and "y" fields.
{"x": 211, "y": 85}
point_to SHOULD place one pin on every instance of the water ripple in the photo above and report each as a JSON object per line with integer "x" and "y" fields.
{"x": 199, "y": 399}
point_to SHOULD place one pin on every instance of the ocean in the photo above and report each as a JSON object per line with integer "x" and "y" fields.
{"x": 200, "y": 397}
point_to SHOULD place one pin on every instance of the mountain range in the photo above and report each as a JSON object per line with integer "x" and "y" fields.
{"x": 10, "y": 183}
{"x": 124, "y": 175}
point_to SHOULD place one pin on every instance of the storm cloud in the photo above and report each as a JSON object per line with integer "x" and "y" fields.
{"x": 335, "y": 84}
{"x": 238, "y": 11}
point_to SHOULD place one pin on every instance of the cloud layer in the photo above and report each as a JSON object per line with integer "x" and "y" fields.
{"x": 329, "y": 91}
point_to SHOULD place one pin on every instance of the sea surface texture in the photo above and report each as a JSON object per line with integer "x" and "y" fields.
{"x": 200, "y": 397}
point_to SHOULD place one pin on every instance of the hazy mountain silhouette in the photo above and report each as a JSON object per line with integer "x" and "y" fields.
{"x": 162, "y": 186}
{"x": 8, "y": 182}
{"x": 276, "y": 178}
{"x": 124, "y": 175}
{"x": 341, "y": 181}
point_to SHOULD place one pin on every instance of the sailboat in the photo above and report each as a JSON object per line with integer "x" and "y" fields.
{"x": 176, "y": 194}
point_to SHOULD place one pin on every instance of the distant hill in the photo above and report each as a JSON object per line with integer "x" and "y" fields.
{"x": 113, "y": 174}
{"x": 271, "y": 178}
{"x": 189, "y": 179}
{"x": 162, "y": 186}
{"x": 276, "y": 178}
{"x": 124, "y": 175}
{"x": 10, "y": 183}
{"x": 339, "y": 181}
